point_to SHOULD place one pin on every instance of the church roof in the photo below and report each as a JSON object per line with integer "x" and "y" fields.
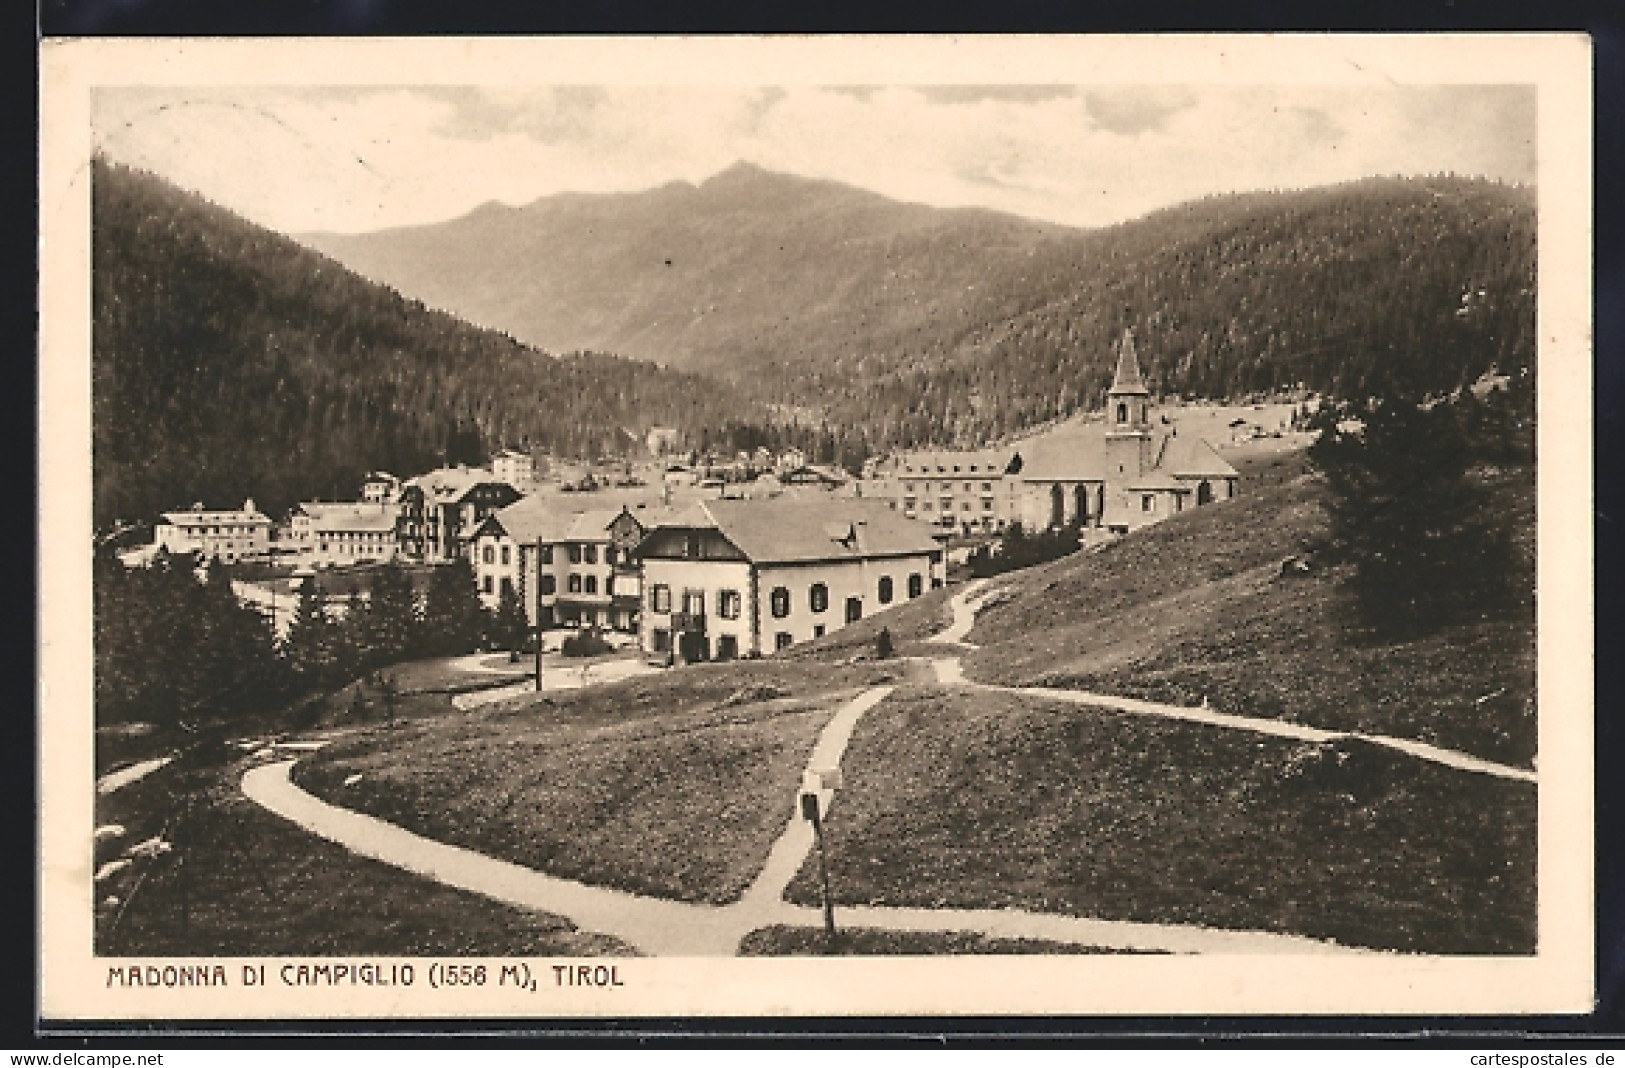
{"x": 1189, "y": 456}
{"x": 1128, "y": 378}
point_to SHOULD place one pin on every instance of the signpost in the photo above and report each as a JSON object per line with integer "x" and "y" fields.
{"x": 812, "y": 783}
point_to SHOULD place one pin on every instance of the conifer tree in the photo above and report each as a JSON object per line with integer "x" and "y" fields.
{"x": 508, "y": 626}
{"x": 312, "y": 643}
{"x": 453, "y": 618}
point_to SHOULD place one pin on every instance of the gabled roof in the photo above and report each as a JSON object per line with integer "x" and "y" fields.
{"x": 448, "y": 484}
{"x": 787, "y": 530}
{"x": 1076, "y": 454}
{"x": 1193, "y": 457}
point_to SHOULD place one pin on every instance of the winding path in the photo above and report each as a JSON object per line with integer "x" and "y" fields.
{"x": 951, "y": 672}
{"x": 675, "y": 928}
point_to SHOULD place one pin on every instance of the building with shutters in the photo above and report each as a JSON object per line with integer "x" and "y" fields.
{"x": 739, "y": 578}
{"x": 224, "y": 535}
{"x": 441, "y": 510}
{"x": 324, "y": 534}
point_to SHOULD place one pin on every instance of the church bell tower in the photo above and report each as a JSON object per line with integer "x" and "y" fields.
{"x": 1128, "y": 416}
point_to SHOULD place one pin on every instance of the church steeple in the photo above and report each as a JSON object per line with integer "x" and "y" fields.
{"x": 1128, "y": 415}
{"x": 1128, "y": 380}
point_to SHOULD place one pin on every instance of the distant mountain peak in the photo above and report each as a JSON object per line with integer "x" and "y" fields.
{"x": 741, "y": 171}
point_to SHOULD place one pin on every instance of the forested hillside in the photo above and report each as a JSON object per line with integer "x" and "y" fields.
{"x": 910, "y": 324}
{"x": 230, "y": 361}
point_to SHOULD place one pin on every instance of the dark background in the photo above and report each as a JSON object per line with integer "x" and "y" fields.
{"x": 417, "y": 17}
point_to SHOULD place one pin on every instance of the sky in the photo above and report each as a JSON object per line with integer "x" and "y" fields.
{"x": 359, "y": 159}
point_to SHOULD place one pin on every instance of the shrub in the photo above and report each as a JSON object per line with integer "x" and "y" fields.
{"x": 584, "y": 643}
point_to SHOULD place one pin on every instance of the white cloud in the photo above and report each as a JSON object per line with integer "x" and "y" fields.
{"x": 360, "y": 159}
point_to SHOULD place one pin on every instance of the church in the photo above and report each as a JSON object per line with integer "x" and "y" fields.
{"x": 1118, "y": 474}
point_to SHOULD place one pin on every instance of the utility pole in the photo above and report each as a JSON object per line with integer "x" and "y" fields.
{"x": 538, "y": 615}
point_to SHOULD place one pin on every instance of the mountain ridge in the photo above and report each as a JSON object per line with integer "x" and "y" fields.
{"x": 937, "y": 325}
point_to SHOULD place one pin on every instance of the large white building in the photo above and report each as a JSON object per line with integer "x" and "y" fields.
{"x": 1120, "y": 474}
{"x": 228, "y": 536}
{"x": 735, "y": 578}
{"x": 344, "y": 533}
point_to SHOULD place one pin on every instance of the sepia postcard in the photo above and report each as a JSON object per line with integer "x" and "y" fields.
{"x": 909, "y": 526}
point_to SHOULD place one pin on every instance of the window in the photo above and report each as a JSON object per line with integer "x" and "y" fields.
{"x": 987, "y": 487}
{"x": 546, "y": 553}
{"x": 965, "y": 507}
{"x": 818, "y": 631}
{"x": 506, "y": 559}
{"x": 489, "y": 555}
{"x": 589, "y": 553}
{"x": 728, "y": 604}
{"x": 967, "y": 487}
{"x": 818, "y": 597}
{"x": 779, "y": 603}
{"x": 609, "y": 554}
{"x": 575, "y": 553}
{"x": 661, "y": 640}
{"x": 908, "y": 487}
{"x": 574, "y": 583}
{"x": 1148, "y": 502}
{"x": 507, "y": 585}
{"x": 854, "y": 609}
{"x": 488, "y": 584}
{"x": 590, "y": 584}
{"x": 609, "y": 585}
{"x": 694, "y": 602}
{"x": 691, "y": 545}
{"x": 915, "y": 585}
{"x": 1122, "y": 413}
{"x": 549, "y": 585}
{"x": 660, "y": 598}
{"x": 727, "y": 647}
{"x": 781, "y": 640}
{"x": 885, "y": 590}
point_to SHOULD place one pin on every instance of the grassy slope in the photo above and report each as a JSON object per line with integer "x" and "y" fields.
{"x": 992, "y": 800}
{"x": 1196, "y": 607}
{"x": 322, "y": 899}
{"x": 657, "y": 785}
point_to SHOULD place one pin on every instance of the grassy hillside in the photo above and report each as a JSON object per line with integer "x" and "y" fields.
{"x": 1199, "y": 607}
{"x": 920, "y": 324}
{"x": 674, "y": 786}
{"x": 994, "y": 800}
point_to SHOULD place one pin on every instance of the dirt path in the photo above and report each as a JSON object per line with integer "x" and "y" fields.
{"x": 963, "y": 605}
{"x": 674, "y": 928}
{"x": 115, "y": 780}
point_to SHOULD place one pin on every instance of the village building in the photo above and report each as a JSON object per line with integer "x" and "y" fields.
{"x": 731, "y": 579}
{"x": 570, "y": 568}
{"x": 227, "y": 536}
{"x": 441, "y": 510}
{"x": 1118, "y": 474}
{"x": 342, "y": 534}
{"x": 515, "y": 468}
{"x": 661, "y": 440}
{"x": 380, "y": 487}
